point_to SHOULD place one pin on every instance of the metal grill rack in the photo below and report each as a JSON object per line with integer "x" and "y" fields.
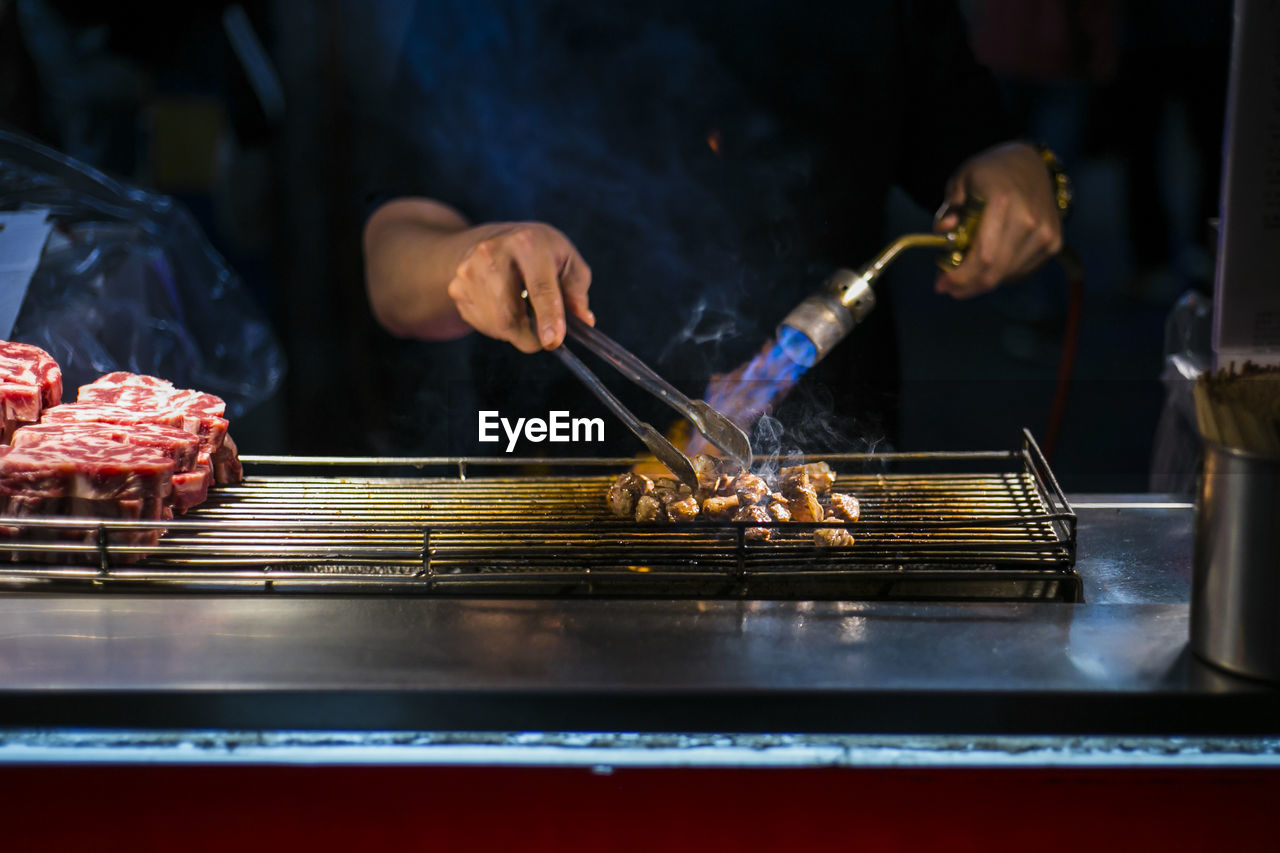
{"x": 985, "y": 525}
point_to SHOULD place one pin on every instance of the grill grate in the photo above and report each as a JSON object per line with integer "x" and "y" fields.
{"x": 1005, "y": 532}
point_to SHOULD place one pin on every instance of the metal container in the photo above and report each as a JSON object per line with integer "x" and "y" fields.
{"x": 1235, "y": 584}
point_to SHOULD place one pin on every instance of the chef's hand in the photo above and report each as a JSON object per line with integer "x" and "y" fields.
{"x": 1020, "y": 226}
{"x": 431, "y": 274}
{"x": 509, "y": 259}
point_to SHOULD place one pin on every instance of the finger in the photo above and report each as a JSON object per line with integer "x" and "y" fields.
{"x": 575, "y": 281}
{"x": 988, "y": 258}
{"x": 540, "y": 274}
{"x": 525, "y": 341}
{"x": 509, "y": 312}
{"x": 486, "y": 291}
{"x": 946, "y": 222}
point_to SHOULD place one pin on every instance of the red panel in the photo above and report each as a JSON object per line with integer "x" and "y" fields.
{"x": 397, "y": 808}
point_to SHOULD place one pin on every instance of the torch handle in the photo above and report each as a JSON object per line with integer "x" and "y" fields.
{"x": 961, "y": 237}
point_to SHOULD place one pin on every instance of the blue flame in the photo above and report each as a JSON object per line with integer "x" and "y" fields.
{"x": 750, "y": 390}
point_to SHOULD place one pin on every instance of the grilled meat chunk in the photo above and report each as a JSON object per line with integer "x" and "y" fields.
{"x": 649, "y": 508}
{"x": 804, "y": 506}
{"x": 684, "y": 509}
{"x": 779, "y": 511}
{"x": 844, "y": 507}
{"x": 667, "y": 484}
{"x": 802, "y": 500}
{"x": 725, "y": 492}
{"x": 625, "y": 491}
{"x": 820, "y": 476}
{"x": 750, "y": 489}
{"x": 832, "y": 537}
{"x": 759, "y": 514}
{"x": 668, "y": 496}
{"x": 669, "y": 493}
{"x": 707, "y": 470}
{"x": 752, "y": 513}
{"x": 719, "y": 508}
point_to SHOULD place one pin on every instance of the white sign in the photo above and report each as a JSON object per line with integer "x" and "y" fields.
{"x": 22, "y": 238}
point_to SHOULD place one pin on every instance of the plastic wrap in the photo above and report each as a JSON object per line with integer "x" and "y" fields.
{"x": 127, "y": 281}
{"x": 1177, "y": 448}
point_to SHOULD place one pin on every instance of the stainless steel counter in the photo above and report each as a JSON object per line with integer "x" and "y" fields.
{"x": 142, "y": 668}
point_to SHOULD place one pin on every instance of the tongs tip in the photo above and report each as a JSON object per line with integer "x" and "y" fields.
{"x": 721, "y": 431}
{"x": 715, "y": 426}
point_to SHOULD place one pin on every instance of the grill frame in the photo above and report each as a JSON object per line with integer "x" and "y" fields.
{"x": 240, "y": 541}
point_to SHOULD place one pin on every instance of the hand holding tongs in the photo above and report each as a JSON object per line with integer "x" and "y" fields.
{"x": 717, "y": 428}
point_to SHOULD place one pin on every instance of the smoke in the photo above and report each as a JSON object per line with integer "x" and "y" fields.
{"x": 809, "y": 424}
{"x": 769, "y": 447}
{"x": 704, "y": 325}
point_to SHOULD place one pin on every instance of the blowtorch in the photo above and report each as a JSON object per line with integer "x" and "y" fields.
{"x": 845, "y": 299}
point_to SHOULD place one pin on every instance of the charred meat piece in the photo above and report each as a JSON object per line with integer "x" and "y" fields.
{"x": 719, "y": 508}
{"x": 649, "y": 508}
{"x": 669, "y": 492}
{"x": 668, "y": 496}
{"x": 725, "y": 492}
{"x": 667, "y": 484}
{"x": 843, "y": 507}
{"x": 832, "y": 537}
{"x": 802, "y": 500}
{"x": 684, "y": 509}
{"x": 750, "y": 489}
{"x": 752, "y": 513}
{"x": 759, "y": 514}
{"x": 820, "y": 475}
{"x": 625, "y": 491}
{"x": 779, "y": 511}
{"x": 707, "y": 470}
{"x": 621, "y": 502}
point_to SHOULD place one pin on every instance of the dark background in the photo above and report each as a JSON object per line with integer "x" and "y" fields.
{"x": 1130, "y": 94}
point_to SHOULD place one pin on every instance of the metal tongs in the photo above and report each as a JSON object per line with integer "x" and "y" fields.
{"x": 717, "y": 428}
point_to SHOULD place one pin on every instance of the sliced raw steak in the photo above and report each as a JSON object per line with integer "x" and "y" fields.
{"x": 190, "y": 483}
{"x": 198, "y": 413}
{"x": 191, "y": 488}
{"x": 30, "y": 381}
{"x": 104, "y": 414}
{"x": 32, "y": 506}
{"x": 226, "y": 463}
{"x": 86, "y": 477}
{"x": 94, "y": 469}
{"x": 178, "y": 444}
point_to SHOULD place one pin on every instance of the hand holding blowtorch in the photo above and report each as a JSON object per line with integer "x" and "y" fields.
{"x": 846, "y": 298}
{"x": 999, "y": 202}
{"x": 1022, "y": 222}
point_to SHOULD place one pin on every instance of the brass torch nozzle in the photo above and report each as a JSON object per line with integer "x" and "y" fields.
{"x": 846, "y": 297}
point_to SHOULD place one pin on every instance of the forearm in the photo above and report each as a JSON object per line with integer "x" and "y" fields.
{"x": 412, "y": 248}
